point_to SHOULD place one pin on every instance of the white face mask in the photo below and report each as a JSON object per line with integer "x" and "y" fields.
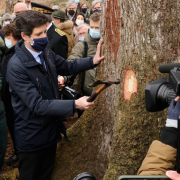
{"x": 6, "y": 23}
{"x": 8, "y": 43}
{"x": 79, "y": 22}
{"x": 81, "y": 38}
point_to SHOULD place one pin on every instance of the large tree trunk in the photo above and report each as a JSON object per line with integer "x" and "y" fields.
{"x": 113, "y": 136}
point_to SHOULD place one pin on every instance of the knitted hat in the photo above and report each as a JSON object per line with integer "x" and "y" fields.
{"x": 6, "y": 16}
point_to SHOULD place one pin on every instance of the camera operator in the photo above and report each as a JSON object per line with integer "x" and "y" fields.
{"x": 161, "y": 155}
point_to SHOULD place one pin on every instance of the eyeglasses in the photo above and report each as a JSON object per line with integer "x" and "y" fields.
{"x": 83, "y": 33}
{"x": 97, "y": 8}
{"x": 71, "y": 9}
{"x": 16, "y": 13}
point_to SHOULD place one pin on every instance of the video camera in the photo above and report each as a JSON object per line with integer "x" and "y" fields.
{"x": 159, "y": 93}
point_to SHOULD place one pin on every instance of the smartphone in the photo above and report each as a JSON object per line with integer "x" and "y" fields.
{"x": 137, "y": 177}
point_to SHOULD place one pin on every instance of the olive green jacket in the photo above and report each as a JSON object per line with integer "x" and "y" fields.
{"x": 2, "y": 48}
{"x": 78, "y": 52}
{"x": 85, "y": 14}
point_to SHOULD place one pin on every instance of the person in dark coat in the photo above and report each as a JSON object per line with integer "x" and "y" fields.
{"x": 57, "y": 39}
{"x": 3, "y": 131}
{"x": 12, "y": 37}
{"x": 32, "y": 76}
{"x": 64, "y": 24}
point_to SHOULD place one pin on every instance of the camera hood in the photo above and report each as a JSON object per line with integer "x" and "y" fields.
{"x": 151, "y": 91}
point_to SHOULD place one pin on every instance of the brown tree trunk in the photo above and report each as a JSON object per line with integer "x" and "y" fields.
{"x": 8, "y": 7}
{"x": 113, "y": 136}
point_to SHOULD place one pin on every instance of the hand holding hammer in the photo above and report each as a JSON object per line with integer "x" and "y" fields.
{"x": 106, "y": 84}
{"x": 85, "y": 102}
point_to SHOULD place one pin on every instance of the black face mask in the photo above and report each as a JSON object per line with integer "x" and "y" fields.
{"x": 97, "y": 10}
{"x": 84, "y": 10}
{"x": 71, "y": 12}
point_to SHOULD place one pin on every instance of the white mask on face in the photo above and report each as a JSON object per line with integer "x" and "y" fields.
{"x": 79, "y": 22}
{"x": 8, "y": 43}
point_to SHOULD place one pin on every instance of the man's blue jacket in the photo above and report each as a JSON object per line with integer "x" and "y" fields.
{"x": 35, "y": 96}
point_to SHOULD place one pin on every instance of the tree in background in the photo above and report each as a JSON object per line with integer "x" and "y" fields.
{"x": 8, "y": 6}
{"x": 113, "y": 136}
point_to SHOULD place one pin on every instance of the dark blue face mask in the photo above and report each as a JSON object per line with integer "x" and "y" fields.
{"x": 39, "y": 44}
{"x": 84, "y": 10}
{"x": 97, "y": 10}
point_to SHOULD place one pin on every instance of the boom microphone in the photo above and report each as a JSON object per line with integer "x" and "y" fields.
{"x": 166, "y": 68}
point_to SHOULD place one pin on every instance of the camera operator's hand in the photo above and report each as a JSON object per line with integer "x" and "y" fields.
{"x": 82, "y": 103}
{"x": 173, "y": 113}
{"x": 173, "y": 175}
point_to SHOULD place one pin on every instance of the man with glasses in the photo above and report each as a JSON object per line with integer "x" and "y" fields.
{"x": 96, "y": 6}
{"x": 71, "y": 9}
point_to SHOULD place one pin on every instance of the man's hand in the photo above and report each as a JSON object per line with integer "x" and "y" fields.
{"x": 173, "y": 113}
{"x": 173, "y": 175}
{"x": 61, "y": 81}
{"x": 82, "y": 103}
{"x": 97, "y": 58}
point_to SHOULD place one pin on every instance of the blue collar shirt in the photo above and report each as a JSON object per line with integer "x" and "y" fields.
{"x": 35, "y": 55}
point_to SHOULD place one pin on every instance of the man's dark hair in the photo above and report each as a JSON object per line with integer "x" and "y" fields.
{"x": 49, "y": 17}
{"x": 26, "y": 21}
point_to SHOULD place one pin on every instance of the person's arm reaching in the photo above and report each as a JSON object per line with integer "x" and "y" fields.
{"x": 65, "y": 67}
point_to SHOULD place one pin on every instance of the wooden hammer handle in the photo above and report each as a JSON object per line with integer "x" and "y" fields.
{"x": 95, "y": 94}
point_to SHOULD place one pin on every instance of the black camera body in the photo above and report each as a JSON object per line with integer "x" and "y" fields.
{"x": 174, "y": 80}
{"x": 159, "y": 93}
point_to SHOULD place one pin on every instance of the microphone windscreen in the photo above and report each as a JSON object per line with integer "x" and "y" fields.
{"x": 165, "y": 68}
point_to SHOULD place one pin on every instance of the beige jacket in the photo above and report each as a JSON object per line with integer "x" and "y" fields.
{"x": 159, "y": 159}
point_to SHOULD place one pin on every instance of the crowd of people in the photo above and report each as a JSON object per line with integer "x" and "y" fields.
{"x": 43, "y": 49}
{"x": 35, "y": 41}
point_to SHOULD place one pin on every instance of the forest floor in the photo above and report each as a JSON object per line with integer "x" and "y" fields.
{"x": 69, "y": 121}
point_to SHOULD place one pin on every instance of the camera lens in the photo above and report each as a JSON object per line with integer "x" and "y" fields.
{"x": 165, "y": 95}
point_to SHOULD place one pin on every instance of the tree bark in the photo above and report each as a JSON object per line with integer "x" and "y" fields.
{"x": 113, "y": 136}
{"x": 8, "y": 7}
